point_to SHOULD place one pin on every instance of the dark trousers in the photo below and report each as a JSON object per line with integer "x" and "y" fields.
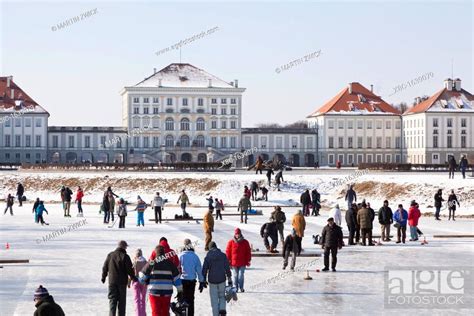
{"x": 280, "y": 232}
{"x": 242, "y": 212}
{"x": 79, "y": 206}
{"x": 438, "y": 209}
{"x": 451, "y": 210}
{"x": 463, "y": 171}
{"x": 256, "y": 171}
{"x": 366, "y": 232}
{"x": 122, "y": 222}
{"x": 20, "y": 199}
{"x": 158, "y": 214}
{"x": 6, "y": 209}
{"x": 274, "y": 241}
{"x": 352, "y": 231}
{"x": 106, "y": 216}
{"x": 117, "y": 298}
{"x": 189, "y": 287}
{"x": 357, "y": 234}
{"x": 333, "y": 251}
{"x": 254, "y": 194}
{"x": 40, "y": 219}
{"x": 218, "y": 214}
{"x": 306, "y": 209}
{"x": 315, "y": 211}
{"x": 451, "y": 173}
{"x": 402, "y": 232}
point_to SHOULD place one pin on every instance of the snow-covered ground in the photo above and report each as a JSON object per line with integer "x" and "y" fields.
{"x": 69, "y": 265}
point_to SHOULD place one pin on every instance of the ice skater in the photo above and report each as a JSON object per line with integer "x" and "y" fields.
{"x": 452, "y": 200}
{"x": 20, "y": 190}
{"x": 79, "y": 196}
{"x": 39, "y": 213}
{"x": 140, "y": 208}
{"x": 139, "y": 290}
{"x": 184, "y": 199}
{"x": 331, "y": 241}
{"x": 9, "y": 200}
{"x": 291, "y": 246}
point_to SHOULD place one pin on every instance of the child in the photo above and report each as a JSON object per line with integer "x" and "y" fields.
{"x": 264, "y": 193}
{"x": 141, "y": 207}
{"x": 139, "y": 290}
{"x": 39, "y": 213}
{"x": 79, "y": 196}
{"x": 219, "y": 208}
{"x": 10, "y": 201}
{"x": 122, "y": 213}
{"x": 34, "y": 209}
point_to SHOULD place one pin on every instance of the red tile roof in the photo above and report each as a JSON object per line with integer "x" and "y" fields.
{"x": 443, "y": 94}
{"x": 7, "y": 103}
{"x": 360, "y": 100}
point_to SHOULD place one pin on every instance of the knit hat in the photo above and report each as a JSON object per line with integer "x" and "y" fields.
{"x": 337, "y": 205}
{"x": 138, "y": 253}
{"x": 330, "y": 219}
{"x": 122, "y": 244}
{"x": 41, "y": 292}
{"x": 212, "y": 245}
{"x": 187, "y": 241}
{"x": 237, "y": 231}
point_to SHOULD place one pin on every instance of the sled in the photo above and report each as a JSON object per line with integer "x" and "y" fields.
{"x": 14, "y": 261}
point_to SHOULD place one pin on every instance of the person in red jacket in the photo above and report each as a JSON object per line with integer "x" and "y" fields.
{"x": 413, "y": 215}
{"x": 169, "y": 253}
{"x": 79, "y": 196}
{"x": 247, "y": 192}
{"x": 239, "y": 255}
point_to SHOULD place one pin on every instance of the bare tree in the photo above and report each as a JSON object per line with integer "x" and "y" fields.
{"x": 268, "y": 125}
{"x": 297, "y": 124}
{"x": 402, "y": 106}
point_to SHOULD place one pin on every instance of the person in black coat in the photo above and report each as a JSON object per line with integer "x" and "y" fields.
{"x": 20, "y": 190}
{"x": 45, "y": 304}
{"x": 118, "y": 267}
{"x": 438, "y": 201}
{"x": 270, "y": 230}
{"x": 452, "y": 200}
{"x": 331, "y": 241}
{"x": 316, "y": 200}
{"x": 106, "y": 208}
{"x": 254, "y": 190}
{"x": 452, "y": 167}
{"x": 269, "y": 176}
{"x": 351, "y": 221}
{"x": 305, "y": 200}
{"x": 292, "y": 244}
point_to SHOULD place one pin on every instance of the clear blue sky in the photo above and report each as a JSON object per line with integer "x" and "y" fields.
{"x": 76, "y": 73}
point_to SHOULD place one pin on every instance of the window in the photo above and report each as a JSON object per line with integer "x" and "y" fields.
{"x": 378, "y": 124}
{"x": 185, "y": 124}
{"x": 28, "y": 140}
{"x": 87, "y": 142}
{"x": 213, "y": 101}
{"x": 146, "y": 141}
{"x": 200, "y": 102}
{"x": 450, "y": 141}
{"x": 136, "y": 100}
{"x": 331, "y": 159}
{"x": 279, "y": 142}
{"x": 17, "y": 122}
{"x": 331, "y": 124}
{"x": 103, "y": 139}
{"x": 309, "y": 142}
{"x": 449, "y": 122}
{"x": 169, "y": 141}
{"x": 233, "y": 142}
{"x": 350, "y": 124}
{"x": 248, "y": 142}
{"x": 233, "y": 101}
{"x": 200, "y": 124}
{"x": 369, "y": 142}
{"x": 156, "y": 141}
{"x": 213, "y": 124}
{"x": 450, "y": 131}
{"x": 341, "y": 142}
{"x": 379, "y": 142}
{"x": 223, "y": 124}
{"x": 233, "y": 111}
{"x": 388, "y": 124}
{"x": 38, "y": 157}
{"x": 388, "y": 142}
{"x": 463, "y": 131}
{"x": 369, "y": 124}
{"x": 463, "y": 122}
{"x": 223, "y": 111}
{"x": 360, "y": 124}
{"x": 7, "y": 123}
{"x": 28, "y": 156}
{"x": 169, "y": 101}
{"x": 349, "y": 142}
{"x": 435, "y": 132}
{"x": 146, "y": 100}
{"x": 331, "y": 142}
{"x": 169, "y": 124}
{"x": 435, "y": 141}
{"x": 146, "y": 122}
{"x": 145, "y": 111}
{"x": 223, "y": 101}
{"x": 398, "y": 141}
{"x": 38, "y": 122}
{"x": 398, "y": 125}
{"x": 136, "y": 141}
{"x": 119, "y": 143}
{"x": 135, "y": 122}
{"x": 185, "y": 101}
{"x": 214, "y": 142}
{"x": 223, "y": 142}
{"x": 359, "y": 142}
{"x": 263, "y": 142}
{"x": 156, "y": 100}
{"x": 136, "y": 110}
{"x": 17, "y": 140}
{"x": 340, "y": 124}
{"x": 71, "y": 141}
{"x": 294, "y": 142}
{"x": 213, "y": 111}
{"x": 200, "y": 141}
{"x": 27, "y": 122}
{"x": 156, "y": 110}
{"x": 233, "y": 124}
{"x": 38, "y": 140}
{"x": 463, "y": 141}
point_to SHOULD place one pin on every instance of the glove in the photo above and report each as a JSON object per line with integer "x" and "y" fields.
{"x": 103, "y": 280}
{"x": 229, "y": 282}
{"x": 202, "y": 286}
{"x": 248, "y": 264}
{"x": 179, "y": 296}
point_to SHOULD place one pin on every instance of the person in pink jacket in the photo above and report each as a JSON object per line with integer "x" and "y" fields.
{"x": 413, "y": 215}
{"x": 139, "y": 290}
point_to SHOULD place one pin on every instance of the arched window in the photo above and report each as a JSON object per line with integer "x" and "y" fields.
{"x": 200, "y": 141}
{"x": 185, "y": 124}
{"x": 184, "y": 141}
{"x": 200, "y": 124}
{"x": 169, "y": 142}
{"x": 136, "y": 122}
{"x": 146, "y": 122}
{"x": 156, "y": 122}
{"x": 169, "y": 124}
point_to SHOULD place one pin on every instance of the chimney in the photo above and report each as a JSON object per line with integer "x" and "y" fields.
{"x": 457, "y": 84}
{"x": 417, "y": 100}
{"x": 210, "y": 83}
{"x": 9, "y": 80}
{"x": 159, "y": 83}
{"x": 350, "y": 88}
{"x": 236, "y": 83}
{"x": 154, "y": 70}
{"x": 372, "y": 88}
{"x": 448, "y": 84}
{"x": 231, "y": 83}
{"x": 12, "y": 91}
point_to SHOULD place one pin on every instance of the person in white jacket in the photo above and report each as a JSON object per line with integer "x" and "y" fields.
{"x": 336, "y": 214}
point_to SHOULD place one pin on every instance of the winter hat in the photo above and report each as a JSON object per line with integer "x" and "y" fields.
{"x": 122, "y": 244}
{"x": 337, "y": 205}
{"x": 413, "y": 203}
{"x": 293, "y": 232}
{"x": 138, "y": 253}
{"x": 385, "y": 202}
{"x": 237, "y": 231}
{"x": 138, "y": 197}
{"x": 212, "y": 245}
{"x": 41, "y": 292}
{"x": 187, "y": 241}
{"x": 159, "y": 250}
{"x": 330, "y": 219}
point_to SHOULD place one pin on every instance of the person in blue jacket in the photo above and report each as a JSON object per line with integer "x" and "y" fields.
{"x": 190, "y": 270}
{"x": 39, "y": 213}
{"x": 400, "y": 218}
{"x": 34, "y": 209}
